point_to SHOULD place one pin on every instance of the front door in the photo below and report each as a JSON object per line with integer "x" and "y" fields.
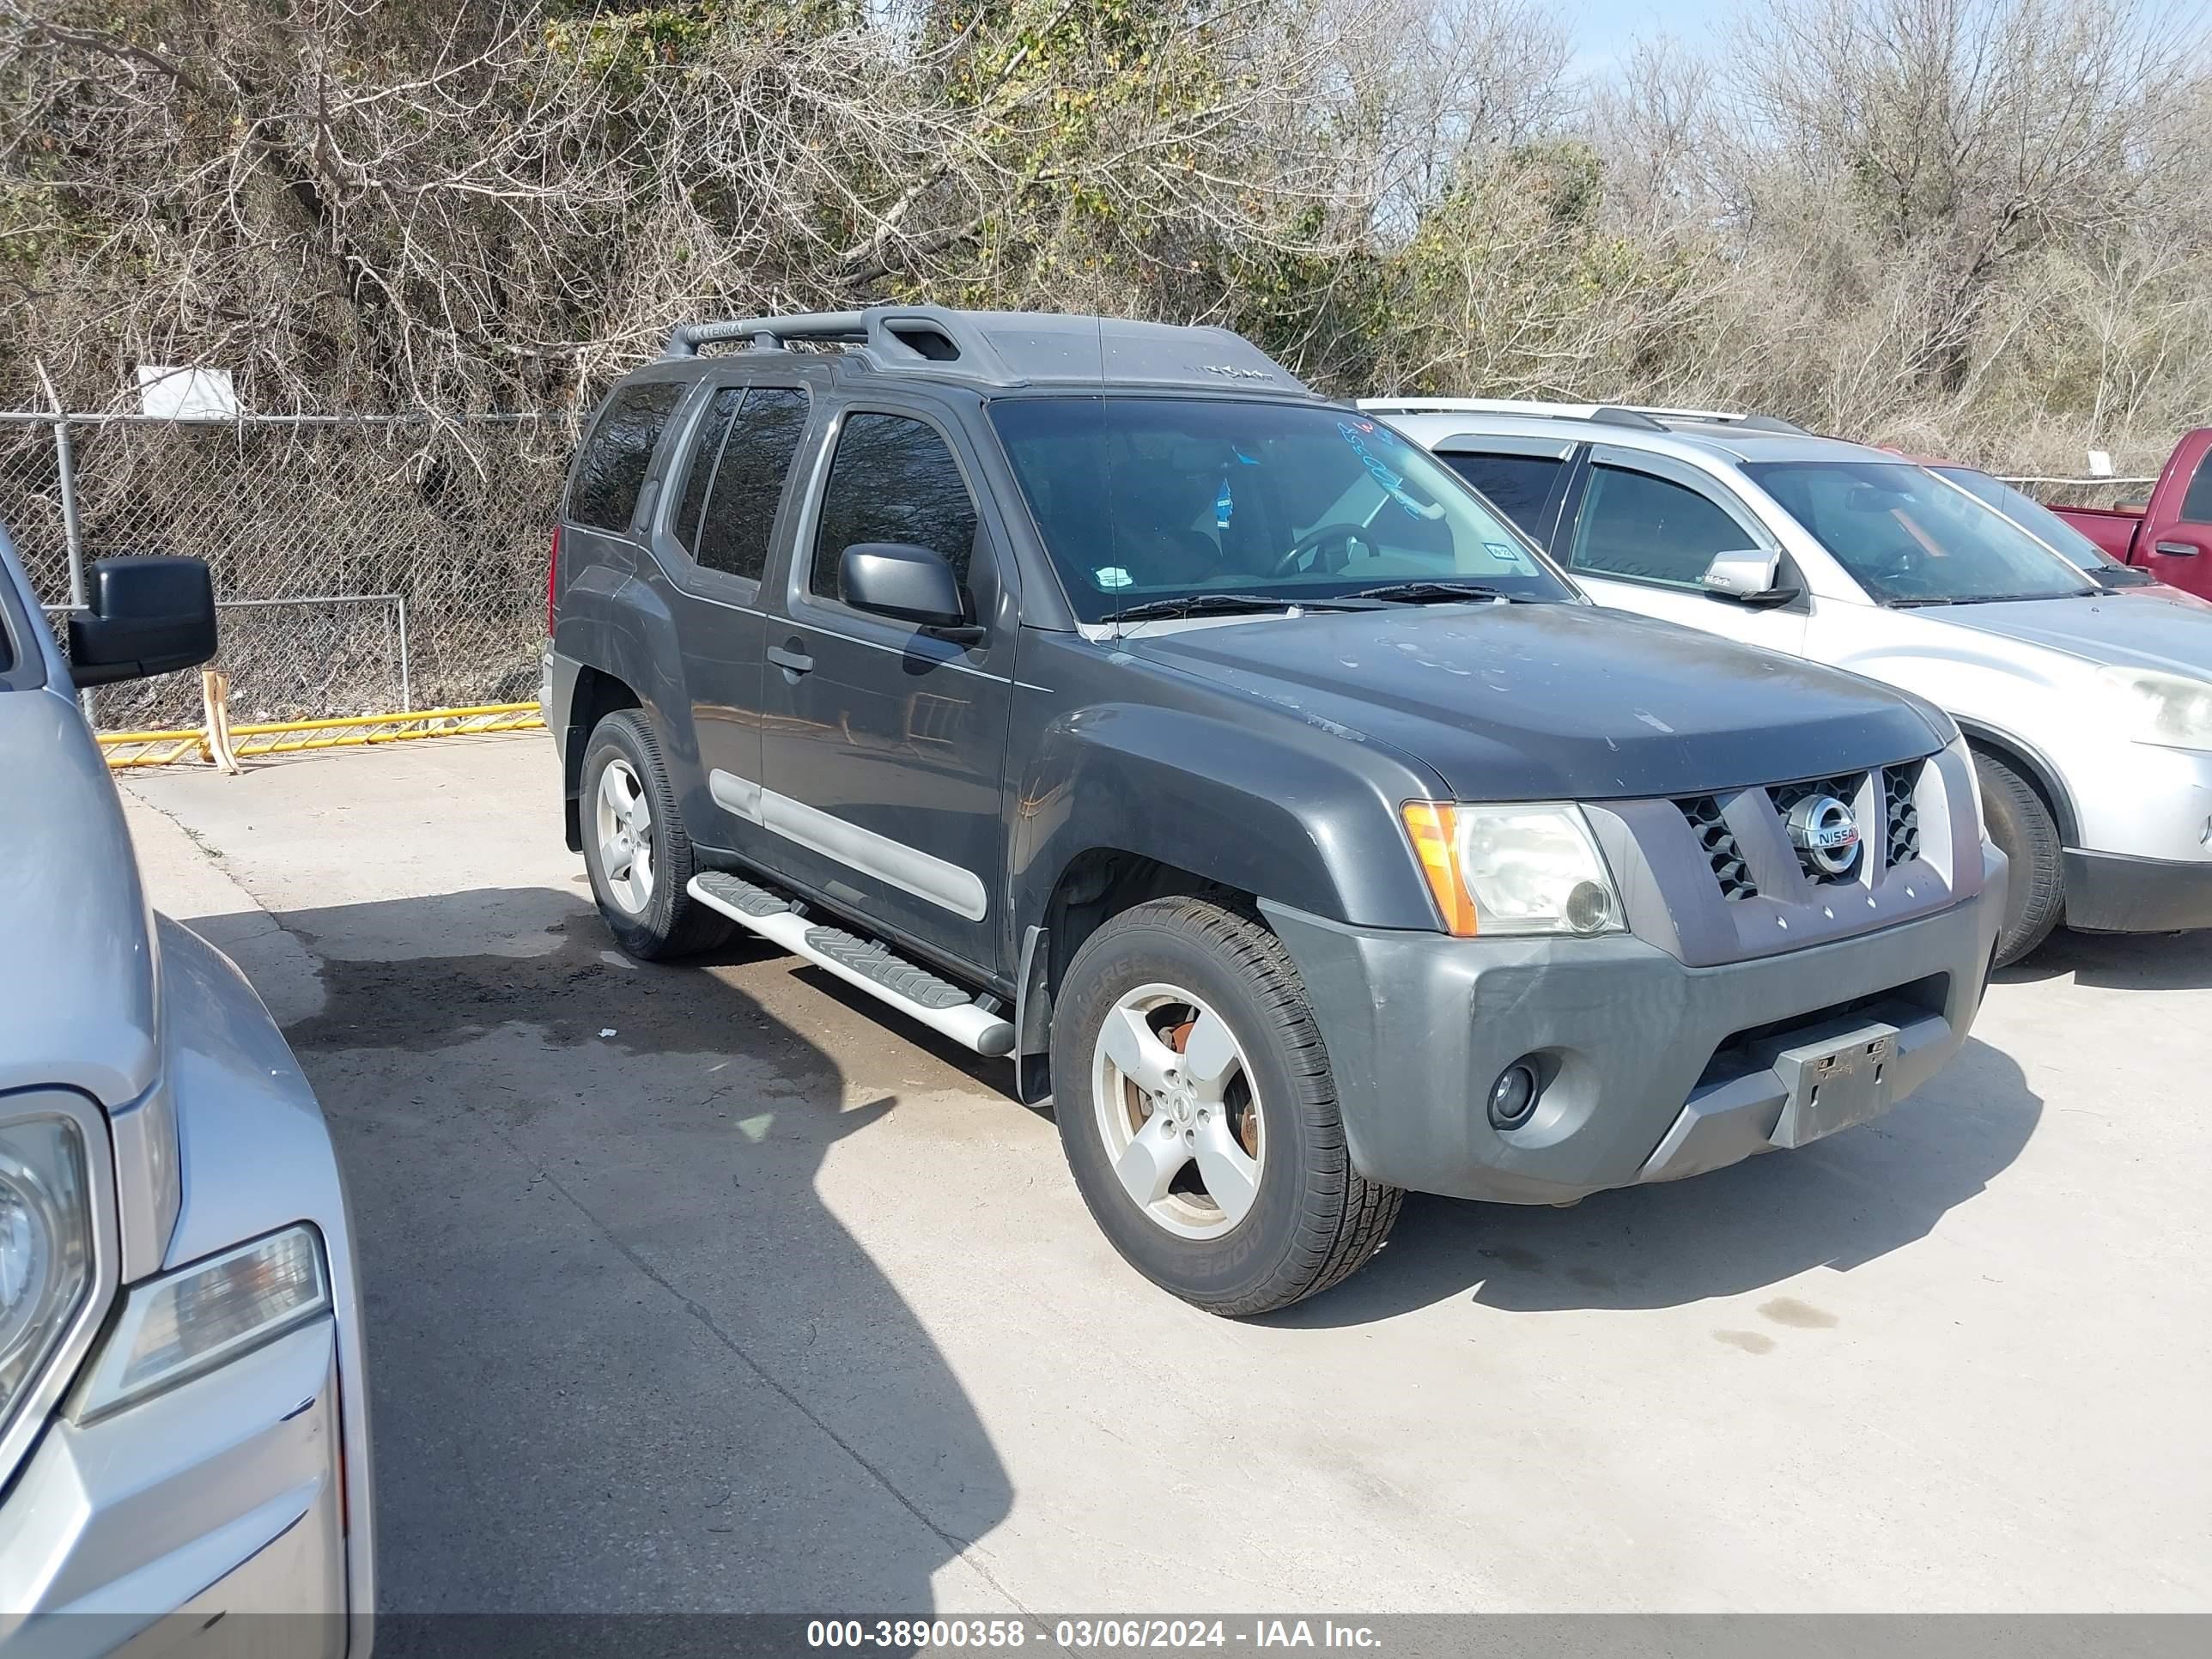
{"x": 1645, "y": 533}
{"x": 884, "y": 744}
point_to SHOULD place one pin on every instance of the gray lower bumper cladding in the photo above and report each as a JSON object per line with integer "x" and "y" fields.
{"x": 1650, "y": 1070}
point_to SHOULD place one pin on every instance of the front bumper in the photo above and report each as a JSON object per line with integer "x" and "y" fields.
{"x": 224, "y": 1495}
{"x": 2110, "y": 893}
{"x": 1653, "y": 1071}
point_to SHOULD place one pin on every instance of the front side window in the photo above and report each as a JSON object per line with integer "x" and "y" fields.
{"x": 892, "y": 480}
{"x": 2196, "y": 505}
{"x": 1651, "y": 529}
{"x": 604, "y": 494}
{"x": 739, "y": 517}
{"x": 1144, "y": 499}
{"x": 1910, "y": 538}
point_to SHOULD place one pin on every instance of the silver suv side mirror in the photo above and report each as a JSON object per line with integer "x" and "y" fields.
{"x": 1752, "y": 575}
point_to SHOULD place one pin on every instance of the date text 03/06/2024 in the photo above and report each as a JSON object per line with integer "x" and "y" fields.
{"x": 1086, "y": 1635}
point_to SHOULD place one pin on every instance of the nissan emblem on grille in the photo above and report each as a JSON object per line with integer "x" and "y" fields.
{"x": 1822, "y": 830}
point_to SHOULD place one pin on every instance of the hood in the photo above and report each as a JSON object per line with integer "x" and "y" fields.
{"x": 1556, "y": 702}
{"x": 77, "y": 959}
{"x": 2117, "y": 629}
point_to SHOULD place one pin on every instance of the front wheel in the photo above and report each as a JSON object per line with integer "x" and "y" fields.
{"x": 1199, "y": 1116}
{"x": 2025, "y": 832}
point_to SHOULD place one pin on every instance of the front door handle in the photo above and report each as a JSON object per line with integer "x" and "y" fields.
{"x": 2175, "y": 550}
{"x": 790, "y": 659}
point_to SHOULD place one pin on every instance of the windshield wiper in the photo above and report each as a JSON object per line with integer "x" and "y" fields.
{"x": 1434, "y": 592}
{"x": 1982, "y": 598}
{"x": 1224, "y": 605}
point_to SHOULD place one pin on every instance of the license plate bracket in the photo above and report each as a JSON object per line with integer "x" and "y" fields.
{"x": 1836, "y": 1075}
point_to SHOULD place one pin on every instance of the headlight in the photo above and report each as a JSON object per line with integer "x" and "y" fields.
{"x": 1513, "y": 869}
{"x": 1965, "y": 757}
{"x": 2165, "y": 710}
{"x": 46, "y": 1246}
{"x": 177, "y": 1328}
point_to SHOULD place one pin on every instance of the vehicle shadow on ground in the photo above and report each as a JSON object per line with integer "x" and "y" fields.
{"x": 2119, "y": 962}
{"x": 622, "y": 1357}
{"x": 1836, "y": 1203}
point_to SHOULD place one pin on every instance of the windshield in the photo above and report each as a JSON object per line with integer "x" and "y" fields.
{"x": 2032, "y": 516}
{"x": 1910, "y": 538}
{"x": 1149, "y": 498}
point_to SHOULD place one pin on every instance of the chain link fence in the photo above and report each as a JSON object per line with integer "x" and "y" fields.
{"x": 361, "y": 565}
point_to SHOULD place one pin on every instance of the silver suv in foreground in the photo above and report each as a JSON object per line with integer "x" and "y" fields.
{"x": 184, "y": 1428}
{"x": 2089, "y": 714}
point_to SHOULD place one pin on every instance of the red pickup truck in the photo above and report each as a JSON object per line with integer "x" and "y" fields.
{"x": 2169, "y": 535}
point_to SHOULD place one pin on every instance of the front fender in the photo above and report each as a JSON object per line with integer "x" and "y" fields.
{"x": 1303, "y": 817}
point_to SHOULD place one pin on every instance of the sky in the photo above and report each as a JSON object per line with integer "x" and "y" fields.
{"x": 1605, "y": 29}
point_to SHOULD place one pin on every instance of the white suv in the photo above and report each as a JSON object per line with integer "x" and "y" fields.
{"x": 2091, "y": 718}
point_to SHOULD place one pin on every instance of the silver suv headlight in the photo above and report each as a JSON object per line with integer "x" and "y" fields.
{"x": 46, "y": 1246}
{"x": 1513, "y": 868}
{"x": 2169, "y": 710}
{"x": 185, "y": 1323}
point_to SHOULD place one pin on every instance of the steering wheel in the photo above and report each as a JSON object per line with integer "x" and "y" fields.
{"x": 1314, "y": 540}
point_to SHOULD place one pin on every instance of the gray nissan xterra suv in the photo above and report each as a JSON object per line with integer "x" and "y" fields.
{"x": 1097, "y": 696}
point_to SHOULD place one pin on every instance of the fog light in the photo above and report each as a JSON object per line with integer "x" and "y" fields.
{"x": 1513, "y": 1097}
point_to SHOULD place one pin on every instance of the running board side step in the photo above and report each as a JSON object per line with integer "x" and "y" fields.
{"x": 863, "y": 964}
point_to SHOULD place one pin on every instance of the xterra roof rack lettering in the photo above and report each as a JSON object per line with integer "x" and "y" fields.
{"x": 1364, "y": 881}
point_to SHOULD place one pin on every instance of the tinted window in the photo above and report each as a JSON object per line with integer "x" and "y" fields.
{"x": 623, "y": 439}
{"x": 1910, "y": 538}
{"x": 1160, "y": 498}
{"x": 704, "y": 454}
{"x": 1634, "y": 525}
{"x": 740, "y": 513}
{"x": 893, "y": 481}
{"x": 2196, "y": 505}
{"x": 1523, "y": 487}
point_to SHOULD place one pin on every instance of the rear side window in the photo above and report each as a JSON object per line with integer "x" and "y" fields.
{"x": 893, "y": 481}
{"x": 604, "y": 494}
{"x": 1649, "y": 529}
{"x": 740, "y": 515}
{"x": 1525, "y": 488}
{"x": 2196, "y": 505}
{"x": 704, "y": 454}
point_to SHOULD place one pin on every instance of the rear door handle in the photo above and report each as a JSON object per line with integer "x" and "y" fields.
{"x": 791, "y": 661}
{"x": 2175, "y": 550}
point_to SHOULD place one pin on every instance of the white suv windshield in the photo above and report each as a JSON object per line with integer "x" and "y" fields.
{"x": 1148, "y": 499}
{"x": 1910, "y": 538}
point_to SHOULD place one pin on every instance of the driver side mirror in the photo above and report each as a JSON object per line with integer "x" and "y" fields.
{"x": 902, "y": 580}
{"x": 143, "y": 616}
{"x": 1751, "y": 576}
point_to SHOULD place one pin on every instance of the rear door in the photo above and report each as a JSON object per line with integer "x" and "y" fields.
{"x": 884, "y": 745}
{"x": 1643, "y": 533}
{"x": 2175, "y": 542}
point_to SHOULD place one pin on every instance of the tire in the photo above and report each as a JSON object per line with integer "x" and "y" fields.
{"x": 1203, "y": 979}
{"x": 653, "y": 919}
{"x": 2021, "y": 825}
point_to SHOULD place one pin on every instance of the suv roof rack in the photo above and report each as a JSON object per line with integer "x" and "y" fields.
{"x": 1008, "y": 348}
{"x": 1648, "y": 418}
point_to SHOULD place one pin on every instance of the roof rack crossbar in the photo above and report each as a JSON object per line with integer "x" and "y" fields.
{"x": 1614, "y": 414}
{"x": 892, "y": 336}
{"x": 771, "y": 332}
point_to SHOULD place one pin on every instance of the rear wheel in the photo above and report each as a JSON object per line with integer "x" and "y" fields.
{"x": 635, "y": 848}
{"x": 1199, "y": 1116}
{"x": 2021, "y": 825}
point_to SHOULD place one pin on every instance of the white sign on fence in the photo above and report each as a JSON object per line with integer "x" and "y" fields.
{"x": 187, "y": 394}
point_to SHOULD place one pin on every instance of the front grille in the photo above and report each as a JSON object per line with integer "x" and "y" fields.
{"x": 1713, "y": 834}
{"x": 1899, "y": 789}
{"x": 1845, "y": 788}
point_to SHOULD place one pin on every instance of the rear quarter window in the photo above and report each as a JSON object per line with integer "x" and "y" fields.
{"x": 620, "y": 449}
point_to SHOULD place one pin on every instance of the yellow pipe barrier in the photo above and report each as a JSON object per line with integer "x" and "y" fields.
{"x": 130, "y": 748}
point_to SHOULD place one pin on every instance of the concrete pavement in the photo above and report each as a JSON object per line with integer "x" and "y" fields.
{"x": 718, "y": 1287}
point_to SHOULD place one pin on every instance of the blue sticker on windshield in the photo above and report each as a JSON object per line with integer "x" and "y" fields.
{"x": 1224, "y": 505}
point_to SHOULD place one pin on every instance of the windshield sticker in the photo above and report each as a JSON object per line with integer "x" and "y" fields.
{"x": 1112, "y": 575}
{"x": 1501, "y": 552}
{"x": 1224, "y": 505}
{"x": 1393, "y": 483}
